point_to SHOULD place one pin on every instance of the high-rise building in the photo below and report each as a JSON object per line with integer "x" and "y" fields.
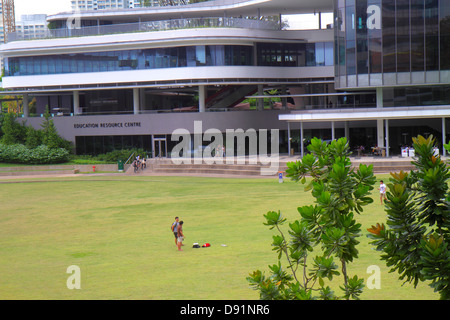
{"x": 32, "y": 26}
{"x": 84, "y": 5}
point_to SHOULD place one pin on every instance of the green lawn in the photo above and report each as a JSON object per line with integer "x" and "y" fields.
{"x": 117, "y": 230}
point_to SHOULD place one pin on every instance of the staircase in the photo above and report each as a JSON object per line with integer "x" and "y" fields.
{"x": 167, "y": 167}
{"x": 229, "y": 96}
{"x": 386, "y": 165}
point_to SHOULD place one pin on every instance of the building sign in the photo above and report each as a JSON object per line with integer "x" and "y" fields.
{"x": 106, "y": 125}
{"x": 373, "y": 17}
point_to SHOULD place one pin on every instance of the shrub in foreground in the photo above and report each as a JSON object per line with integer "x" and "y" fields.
{"x": 19, "y": 153}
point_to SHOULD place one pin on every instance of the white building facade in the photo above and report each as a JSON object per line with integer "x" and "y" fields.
{"x": 85, "y": 5}
{"x": 124, "y": 78}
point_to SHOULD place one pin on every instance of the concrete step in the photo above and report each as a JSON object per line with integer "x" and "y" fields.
{"x": 56, "y": 169}
{"x": 35, "y": 168}
{"x": 204, "y": 171}
{"x": 36, "y": 172}
{"x": 166, "y": 166}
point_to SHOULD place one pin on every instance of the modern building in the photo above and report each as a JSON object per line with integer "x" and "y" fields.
{"x": 32, "y": 26}
{"x": 130, "y": 77}
{"x": 85, "y": 5}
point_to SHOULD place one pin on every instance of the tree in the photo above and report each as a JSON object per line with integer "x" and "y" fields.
{"x": 13, "y": 132}
{"x": 327, "y": 227}
{"x": 33, "y": 137}
{"x": 415, "y": 239}
{"x": 50, "y": 136}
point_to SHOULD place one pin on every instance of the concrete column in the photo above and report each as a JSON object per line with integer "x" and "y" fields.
{"x": 289, "y": 137}
{"x": 142, "y": 101}
{"x": 202, "y": 98}
{"x": 443, "y": 136}
{"x": 76, "y": 103}
{"x": 333, "y": 135}
{"x": 302, "y": 148}
{"x": 136, "y": 101}
{"x": 387, "y": 138}
{"x": 347, "y": 131}
{"x": 380, "y": 133}
{"x": 260, "y": 100}
{"x": 380, "y": 125}
{"x": 25, "y": 102}
{"x": 379, "y": 97}
{"x": 284, "y": 99}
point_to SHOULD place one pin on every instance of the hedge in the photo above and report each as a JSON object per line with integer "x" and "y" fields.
{"x": 19, "y": 153}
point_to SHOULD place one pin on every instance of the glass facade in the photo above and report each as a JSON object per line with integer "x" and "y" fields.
{"x": 95, "y": 145}
{"x": 391, "y": 42}
{"x": 268, "y": 54}
{"x": 295, "y": 54}
{"x": 416, "y": 96}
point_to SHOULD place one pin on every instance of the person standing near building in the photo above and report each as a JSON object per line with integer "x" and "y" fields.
{"x": 382, "y": 189}
{"x": 180, "y": 235}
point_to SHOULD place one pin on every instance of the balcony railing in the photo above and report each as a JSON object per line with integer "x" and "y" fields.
{"x": 148, "y": 26}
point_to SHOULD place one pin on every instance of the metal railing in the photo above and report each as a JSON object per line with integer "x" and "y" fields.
{"x": 149, "y": 26}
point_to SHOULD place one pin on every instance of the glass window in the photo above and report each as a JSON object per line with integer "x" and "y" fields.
{"x": 73, "y": 64}
{"x": 149, "y": 58}
{"x": 58, "y": 65}
{"x": 44, "y": 65}
{"x": 417, "y": 35}
{"x": 320, "y": 54}
{"x": 362, "y": 58}
{"x": 361, "y": 19}
{"x": 66, "y": 64}
{"x": 103, "y": 62}
{"x": 374, "y": 36}
{"x": 37, "y": 65}
{"x": 403, "y": 32}
{"x": 190, "y": 56}
{"x": 144, "y": 59}
{"x": 389, "y": 47}
{"x": 431, "y": 35}
{"x": 220, "y": 55}
{"x": 350, "y": 20}
{"x": 310, "y": 54}
{"x": 80, "y": 63}
{"x": 51, "y": 65}
{"x": 200, "y": 55}
{"x": 95, "y": 63}
{"x": 445, "y": 35}
{"x": 88, "y": 63}
{"x": 351, "y": 57}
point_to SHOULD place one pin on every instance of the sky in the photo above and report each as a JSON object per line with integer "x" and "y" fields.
{"x": 50, "y": 7}
{"x": 40, "y": 7}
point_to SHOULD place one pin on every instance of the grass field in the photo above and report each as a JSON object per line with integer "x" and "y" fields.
{"x": 117, "y": 230}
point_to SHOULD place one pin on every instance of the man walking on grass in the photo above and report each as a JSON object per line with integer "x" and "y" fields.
{"x": 180, "y": 235}
{"x": 174, "y": 229}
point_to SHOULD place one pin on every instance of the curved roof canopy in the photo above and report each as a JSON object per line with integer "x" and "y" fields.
{"x": 220, "y": 8}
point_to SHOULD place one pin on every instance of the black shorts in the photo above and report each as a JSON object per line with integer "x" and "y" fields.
{"x": 176, "y": 235}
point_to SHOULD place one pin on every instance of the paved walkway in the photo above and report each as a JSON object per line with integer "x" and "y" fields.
{"x": 282, "y": 159}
